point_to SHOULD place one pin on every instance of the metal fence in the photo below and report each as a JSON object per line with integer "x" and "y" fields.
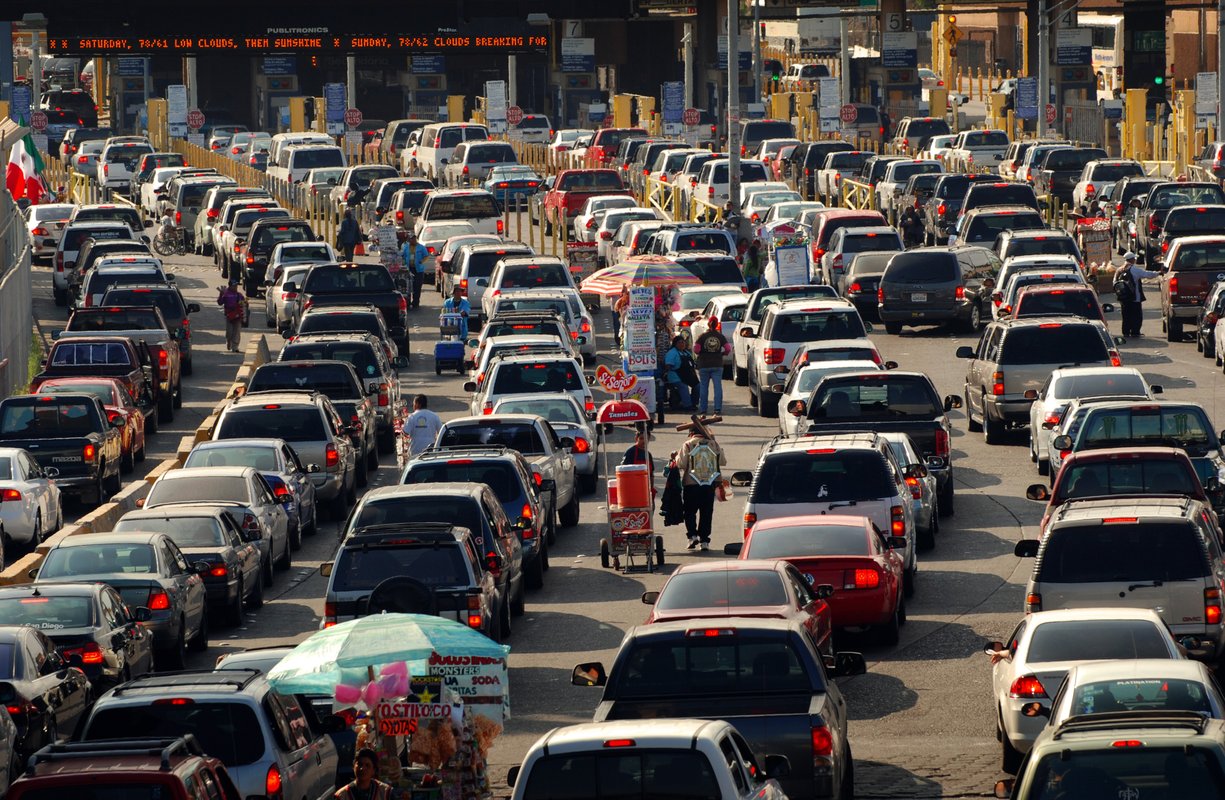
{"x": 16, "y": 305}
{"x": 1084, "y": 122}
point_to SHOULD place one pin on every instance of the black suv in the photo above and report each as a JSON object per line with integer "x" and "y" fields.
{"x": 264, "y": 236}
{"x": 166, "y": 298}
{"x": 375, "y": 370}
{"x": 930, "y": 285}
{"x": 510, "y": 477}
{"x": 941, "y": 211}
{"x": 807, "y": 158}
{"x": 431, "y": 568}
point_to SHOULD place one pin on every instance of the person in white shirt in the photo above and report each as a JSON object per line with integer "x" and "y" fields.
{"x": 422, "y": 426}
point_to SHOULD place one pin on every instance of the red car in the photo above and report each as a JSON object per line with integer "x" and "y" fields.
{"x": 119, "y": 405}
{"x": 1118, "y": 472}
{"x": 763, "y": 588}
{"x": 1059, "y": 300}
{"x": 849, "y": 553}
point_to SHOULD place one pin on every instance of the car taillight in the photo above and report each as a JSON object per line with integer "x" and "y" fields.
{"x": 384, "y": 395}
{"x": 465, "y": 169}
{"x": 1212, "y": 606}
{"x": 997, "y": 383}
{"x": 289, "y": 296}
{"x": 880, "y": 294}
{"x": 329, "y": 614}
{"x": 942, "y": 443}
{"x": 88, "y": 452}
{"x": 1118, "y": 208}
{"x": 916, "y": 488}
{"x": 1033, "y": 600}
{"x": 219, "y": 570}
{"x": 475, "y": 621}
{"x": 960, "y": 293}
{"x": 897, "y": 521}
{"x": 399, "y": 216}
{"x": 11, "y": 495}
{"x": 213, "y": 213}
{"x": 588, "y": 404}
{"x": 1027, "y": 686}
{"x": 487, "y": 408}
{"x": 854, "y": 287}
{"x": 773, "y": 355}
{"x": 158, "y": 600}
{"x": 83, "y": 160}
{"x": 39, "y": 231}
{"x": 867, "y": 578}
{"x": 1115, "y": 359}
{"x": 607, "y": 235}
{"x": 1089, "y": 189}
{"x": 710, "y": 191}
{"x": 163, "y": 358}
{"x": 272, "y": 783}
{"x": 178, "y": 218}
{"x": 1165, "y": 247}
{"x": 59, "y": 262}
{"x": 1173, "y": 284}
{"x": 403, "y": 303}
{"x": 750, "y": 520}
{"x": 501, "y": 227}
{"x": 1153, "y": 227}
{"x": 332, "y": 456}
{"x": 940, "y": 209}
{"x": 90, "y": 653}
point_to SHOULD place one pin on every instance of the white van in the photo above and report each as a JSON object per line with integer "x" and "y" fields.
{"x": 714, "y": 182}
{"x": 296, "y": 160}
{"x": 283, "y": 140}
{"x": 532, "y": 129}
{"x": 438, "y": 141}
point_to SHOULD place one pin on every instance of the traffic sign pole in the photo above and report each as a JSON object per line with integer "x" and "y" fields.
{"x": 733, "y": 104}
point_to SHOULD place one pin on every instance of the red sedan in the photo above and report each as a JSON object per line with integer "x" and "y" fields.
{"x": 119, "y": 406}
{"x": 766, "y": 588}
{"x": 846, "y": 552}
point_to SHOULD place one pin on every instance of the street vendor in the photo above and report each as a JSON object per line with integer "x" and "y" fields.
{"x": 458, "y": 304}
{"x": 364, "y": 785}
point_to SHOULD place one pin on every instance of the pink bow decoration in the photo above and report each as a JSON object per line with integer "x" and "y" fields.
{"x": 347, "y": 695}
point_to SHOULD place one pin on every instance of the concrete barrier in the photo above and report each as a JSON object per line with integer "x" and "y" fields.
{"x": 104, "y": 517}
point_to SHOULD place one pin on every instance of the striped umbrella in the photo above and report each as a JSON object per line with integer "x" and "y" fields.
{"x": 638, "y": 271}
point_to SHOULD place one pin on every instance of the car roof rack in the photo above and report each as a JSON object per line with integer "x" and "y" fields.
{"x": 163, "y": 748}
{"x": 191, "y": 678}
{"x": 403, "y": 527}
{"x": 782, "y": 438}
{"x": 476, "y": 449}
{"x": 1113, "y": 720}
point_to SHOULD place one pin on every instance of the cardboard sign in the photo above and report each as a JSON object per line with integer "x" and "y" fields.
{"x": 792, "y": 265}
{"x": 482, "y": 683}
{"x": 614, "y": 382}
{"x": 638, "y": 519}
{"x": 389, "y": 246}
{"x": 427, "y": 699}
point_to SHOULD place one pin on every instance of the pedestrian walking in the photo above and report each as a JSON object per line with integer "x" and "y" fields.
{"x": 698, "y": 463}
{"x": 349, "y": 235}
{"x": 681, "y": 375}
{"x": 709, "y": 350}
{"x": 1130, "y": 293}
{"x": 414, "y": 255}
{"x": 422, "y": 426}
{"x": 234, "y": 305}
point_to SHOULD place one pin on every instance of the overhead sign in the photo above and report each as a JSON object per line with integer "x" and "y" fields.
{"x": 746, "y": 52}
{"x": 899, "y": 49}
{"x": 279, "y": 65}
{"x": 1027, "y": 98}
{"x": 334, "y": 101}
{"x": 176, "y": 110}
{"x": 131, "y": 66}
{"x": 578, "y": 55}
{"x": 1074, "y": 47}
{"x": 1205, "y": 93}
{"x": 428, "y": 64}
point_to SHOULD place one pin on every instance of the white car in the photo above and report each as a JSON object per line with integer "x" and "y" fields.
{"x": 769, "y": 148}
{"x": 1030, "y": 666}
{"x": 585, "y": 223}
{"x": 566, "y": 301}
{"x": 729, "y": 310}
{"x": 566, "y": 417}
{"x": 287, "y": 253}
{"x": 840, "y": 166}
{"x": 1042, "y": 263}
{"x": 30, "y": 504}
{"x": 157, "y": 181}
{"x": 800, "y": 384}
{"x": 45, "y": 224}
{"x": 1071, "y": 383}
{"x": 277, "y": 301}
{"x": 442, "y": 261}
{"x": 692, "y": 301}
{"x": 117, "y": 163}
{"x": 577, "y": 153}
{"x": 611, "y": 222}
{"x": 938, "y": 147}
{"x": 1098, "y": 176}
{"x": 897, "y": 174}
{"x": 630, "y": 237}
{"x": 789, "y": 211}
{"x": 564, "y": 140}
{"x": 529, "y": 343}
{"x": 713, "y": 184}
{"x": 757, "y": 207}
{"x": 747, "y": 190}
{"x": 1101, "y": 687}
{"x": 1032, "y": 160}
{"x": 530, "y": 374}
{"x": 434, "y": 236}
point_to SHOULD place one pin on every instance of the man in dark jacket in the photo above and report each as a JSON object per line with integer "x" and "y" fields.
{"x": 348, "y": 235}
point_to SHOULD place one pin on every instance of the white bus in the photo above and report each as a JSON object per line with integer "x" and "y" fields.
{"x": 1107, "y": 50}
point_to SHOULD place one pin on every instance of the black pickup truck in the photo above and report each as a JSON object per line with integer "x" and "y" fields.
{"x": 765, "y": 676}
{"x": 71, "y": 433}
{"x": 349, "y": 283}
{"x": 1062, "y": 168}
{"x": 133, "y": 363}
{"x": 885, "y": 402}
{"x": 1152, "y": 208}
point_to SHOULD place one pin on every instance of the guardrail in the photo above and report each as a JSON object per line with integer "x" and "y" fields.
{"x": 857, "y": 195}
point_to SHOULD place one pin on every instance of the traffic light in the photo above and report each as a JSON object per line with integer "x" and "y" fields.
{"x": 308, "y": 110}
{"x": 1159, "y": 80}
{"x": 952, "y": 19}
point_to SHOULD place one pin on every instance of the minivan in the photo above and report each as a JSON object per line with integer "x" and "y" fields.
{"x": 438, "y": 142}
{"x": 931, "y": 285}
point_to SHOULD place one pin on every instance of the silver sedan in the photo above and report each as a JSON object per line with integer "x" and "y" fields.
{"x": 567, "y": 418}
{"x": 277, "y": 301}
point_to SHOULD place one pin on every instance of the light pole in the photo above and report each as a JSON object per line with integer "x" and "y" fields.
{"x": 733, "y": 103}
{"x": 1044, "y": 57}
{"x": 1220, "y": 67}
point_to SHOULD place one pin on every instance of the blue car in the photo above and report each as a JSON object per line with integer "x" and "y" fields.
{"x": 512, "y": 184}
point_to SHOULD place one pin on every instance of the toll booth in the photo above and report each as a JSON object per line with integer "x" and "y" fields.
{"x": 130, "y": 93}
{"x": 573, "y": 90}
{"x": 272, "y": 101}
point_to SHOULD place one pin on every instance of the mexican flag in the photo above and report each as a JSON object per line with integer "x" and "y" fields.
{"x": 24, "y": 175}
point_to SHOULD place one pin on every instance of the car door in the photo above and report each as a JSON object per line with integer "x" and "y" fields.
{"x": 246, "y": 552}
{"x": 508, "y": 542}
{"x": 988, "y": 344}
{"x": 565, "y": 466}
{"x": 299, "y": 481}
{"x": 138, "y": 639}
{"x": 189, "y": 585}
{"x": 301, "y": 753}
{"x": 33, "y": 489}
{"x": 269, "y": 508}
{"x": 64, "y": 688}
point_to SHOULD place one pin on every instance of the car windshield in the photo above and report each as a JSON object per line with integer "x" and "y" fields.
{"x": 554, "y": 410}
{"x": 1187, "y": 427}
{"x": 223, "y": 454}
{"x": 226, "y": 730}
{"x": 360, "y": 355}
{"x": 621, "y": 775}
{"x": 98, "y": 559}
{"x": 834, "y": 477}
{"x": 813, "y": 326}
{"x": 361, "y": 568}
{"x": 1140, "y": 694}
{"x": 521, "y": 436}
{"x": 199, "y": 489}
{"x": 1128, "y": 477}
{"x": 348, "y": 278}
{"x": 716, "y": 666}
{"x": 873, "y": 398}
{"x": 291, "y": 424}
{"x": 48, "y": 613}
{"x": 808, "y": 540}
{"x": 186, "y": 532}
{"x": 500, "y": 477}
{"x": 1096, "y": 640}
{"x": 1123, "y": 552}
{"x": 723, "y": 589}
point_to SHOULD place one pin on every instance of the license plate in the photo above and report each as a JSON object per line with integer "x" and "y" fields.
{"x": 918, "y": 297}
{"x": 66, "y": 459}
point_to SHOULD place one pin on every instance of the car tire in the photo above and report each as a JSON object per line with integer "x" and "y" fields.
{"x": 740, "y": 376}
{"x": 151, "y": 425}
{"x": 295, "y": 541}
{"x": 176, "y": 656}
{"x": 113, "y": 484}
{"x": 1044, "y": 466}
{"x": 975, "y": 323}
{"x": 926, "y": 540}
{"x": 971, "y": 425}
{"x": 893, "y": 328}
{"x": 127, "y": 462}
{"x": 60, "y": 296}
{"x": 234, "y": 612}
{"x": 1010, "y": 757}
{"x": 993, "y": 430}
{"x": 256, "y": 600}
{"x": 908, "y": 581}
{"x": 504, "y": 623}
{"x": 387, "y": 441}
{"x": 199, "y": 642}
{"x": 177, "y": 398}
{"x": 1173, "y": 330}
{"x": 286, "y": 560}
{"x": 518, "y": 605}
{"x": 359, "y": 472}
{"x": 165, "y": 408}
{"x": 587, "y": 484}
{"x": 267, "y": 570}
{"x": 533, "y": 576}
{"x": 891, "y": 632}
{"x": 372, "y": 456}
{"x": 568, "y": 514}
{"x": 36, "y": 536}
{"x": 767, "y": 405}
{"x": 945, "y": 506}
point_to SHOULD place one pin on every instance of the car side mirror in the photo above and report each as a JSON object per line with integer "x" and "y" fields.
{"x": 142, "y": 614}
{"x": 400, "y": 362}
{"x": 119, "y": 422}
{"x": 567, "y": 442}
{"x": 746, "y": 333}
{"x": 1107, "y": 307}
{"x": 474, "y": 343}
{"x": 193, "y": 308}
{"x": 201, "y": 567}
{"x": 1136, "y": 203}
{"x": 823, "y": 591}
{"x": 51, "y": 472}
{"x": 1038, "y": 491}
{"x": 777, "y": 767}
{"x": 936, "y": 462}
{"x": 847, "y": 664}
{"x": 1062, "y": 442}
{"x": 547, "y": 485}
{"x": 965, "y": 351}
{"x": 1030, "y": 394}
{"x": 589, "y": 674}
{"x": 742, "y": 478}
{"x": 777, "y": 388}
{"x": 1119, "y": 340}
{"x": 470, "y": 386}
{"x": 290, "y": 287}
{"x": 1003, "y": 788}
{"x": 733, "y": 549}
{"x": 915, "y": 471}
{"x": 482, "y": 282}
{"x": 1026, "y": 548}
{"x": 897, "y": 542}
{"x": 1157, "y": 388}
{"x": 325, "y": 569}
{"x": 1035, "y": 710}
{"x": 649, "y": 598}
{"x": 798, "y": 408}
{"x": 890, "y": 365}
{"x": 312, "y": 468}
{"x": 951, "y": 401}
{"x": 512, "y": 775}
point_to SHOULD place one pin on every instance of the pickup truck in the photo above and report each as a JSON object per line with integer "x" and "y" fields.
{"x": 944, "y": 207}
{"x": 350, "y": 283}
{"x": 71, "y": 433}
{"x": 550, "y": 456}
{"x": 107, "y": 357}
{"x": 780, "y": 697}
{"x": 1152, "y": 208}
{"x": 981, "y": 150}
{"x": 1062, "y": 168}
{"x": 571, "y": 190}
{"x": 891, "y": 401}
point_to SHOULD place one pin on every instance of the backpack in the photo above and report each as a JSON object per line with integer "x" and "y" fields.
{"x": 1125, "y": 287}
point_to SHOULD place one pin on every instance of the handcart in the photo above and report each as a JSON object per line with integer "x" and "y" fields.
{"x": 1093, "y": 238}
{"x": 631, "y": 501}
{"x": 449, "y": 350}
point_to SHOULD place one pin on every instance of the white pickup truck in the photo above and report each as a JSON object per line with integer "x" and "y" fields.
{"x": 977, "y": 150}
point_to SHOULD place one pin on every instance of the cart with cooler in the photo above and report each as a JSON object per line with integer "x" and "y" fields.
{"x": 449, "y": 349}
{"x": 1093, "y": 239}
{"x": 631, "y": 501}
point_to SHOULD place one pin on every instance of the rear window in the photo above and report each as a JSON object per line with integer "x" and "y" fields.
{"x": 1008, "y": 194}
{"x": 115, "y": 320}
{"x": 461, "y": 511}
{"x": 360, "y": 568}
{"x": 986, "y": 227}
{"x": 184, "y": 531}
{"x": 525, "y": 378}
{"x": 613, "y": 138}
{"x": 591, "y": 182}
{"x": 80, "y": 354}
{"x": 847, "y": 161}
{"x": 533, "y": 121}
{"x": 755, "y": 132}
{"x": 1149, "y": 551}
{"x": 534, "y": 276}
{"x": 48, "y": 613}
{"x": 1071, "y": 158}
{"x": 1042, "y": 246}
{"x": 290, "y": 424}
{"x": 702, "y": 241}
{"x": 200, "y": 489}
{"x": 739, "y": 665}
{"x": 85, "y": 787}
{"x": 62, "y": 418}
{"x": 714, "y": 270}
{"x": 622, "y": 775}
{"x": 919, "y": 128}
{"x": 874, "y": 398}
{"x": 1196, "y": 219}
{"x": 100, "y": 282}
{"x": 839, "y": 476}
{"x": 764, "y": 298}
{"x": 326, "y": 322}
{"x": 73, "y": 237}
{"x": 501, "y": 477}
{"x": 749, "y": 171}
{"x": 492, "y": 153}
{"x": 128, "y": 216}
{"x": 326, "y": 279}
{"x": 1162, "y": 771}
{"x": 1205, "y": 256}
{"x": 167, "y": 302}
{"x": 332, "y": 380}
{"x": 922, "y": 268}
{"x": 741, "y": 587}
{"x": 1069, "y": 344}
{"x": 1174, "y": 426}
{"x": 816, "y": 326}
{"x": 461, "y": 207}
{"x": 192, "y": 194}
{"x": 1185, "y": 195}
{"x": 521, "y": 436}
{"x": 244, "y": 219}
{"x": 1096, "y": 640}
{"x": 1097, "y": 385}
{"x": 362, "y": 177}
{"x": 314, "y": 157}
{"x": 987, "y": 139}
{"x": 1103, "y": 478}
{"x": 227, "y": 731}
{"x": 1114, "y": 172}
{"x": 100, "y": 559}
{"x": 359, "y": 354}
{"x": 1058, "y": 303}
{"x": 864, "y": 242}
{"x": 526, "y": 302}
{"x": 903, "y": 172}
{"x": 809, "y": 540}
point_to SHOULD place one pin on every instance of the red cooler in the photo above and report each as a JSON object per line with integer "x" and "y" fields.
{"x": 612, "y": 492}
{"x": 634, "y": 486}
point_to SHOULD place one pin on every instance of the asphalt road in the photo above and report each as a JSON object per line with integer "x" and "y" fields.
{"x": 921, "y": 716}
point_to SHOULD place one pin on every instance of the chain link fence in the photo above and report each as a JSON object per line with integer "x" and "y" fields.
{"x": 16, "y": 304}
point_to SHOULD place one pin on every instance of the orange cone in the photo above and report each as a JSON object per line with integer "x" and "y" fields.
{"x": 359, "y": 250}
